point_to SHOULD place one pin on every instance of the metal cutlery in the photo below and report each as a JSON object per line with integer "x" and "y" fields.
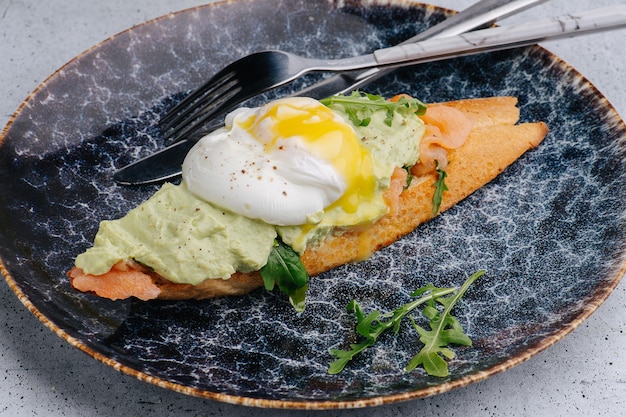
{"x": 265, "y": 70}
{"x": 166, "y": 164}
{"x": 479, "y": 41}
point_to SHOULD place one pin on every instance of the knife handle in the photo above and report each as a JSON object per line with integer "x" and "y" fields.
{"x": 504, "y": 37}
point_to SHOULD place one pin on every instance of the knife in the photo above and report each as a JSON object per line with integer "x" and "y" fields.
{"x": 166, "y": 163}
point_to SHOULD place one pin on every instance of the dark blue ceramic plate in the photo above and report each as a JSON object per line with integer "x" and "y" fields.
{"x": 550, "y": 231}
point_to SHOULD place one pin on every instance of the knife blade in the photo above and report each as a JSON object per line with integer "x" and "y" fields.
{"x": 166, "y": 163}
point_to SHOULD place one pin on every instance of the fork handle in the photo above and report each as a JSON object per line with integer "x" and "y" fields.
{"x": 503, "y": 37}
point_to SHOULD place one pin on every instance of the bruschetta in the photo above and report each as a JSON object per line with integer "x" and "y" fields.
{"x": 464, "y": 145}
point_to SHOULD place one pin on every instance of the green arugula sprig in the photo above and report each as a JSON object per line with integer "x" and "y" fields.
{"x": 360, "y": 106}
{"x": 409, "y": 176}
{"x": 440, "y": 187}
{"x": 285, "y": 269}
{"x": 444, "y": 328}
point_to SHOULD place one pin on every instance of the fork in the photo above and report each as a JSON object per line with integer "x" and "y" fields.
{"x": 265, "y": 70}
{"x": 482, "y": 13}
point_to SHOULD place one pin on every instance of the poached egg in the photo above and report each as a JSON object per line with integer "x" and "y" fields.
{"x": 285, "y": 163}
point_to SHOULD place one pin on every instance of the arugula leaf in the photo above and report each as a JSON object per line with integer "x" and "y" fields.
{"x": 445, "y": 329}
{"x": 409, "y": 177}
{"x": 360, "y": 106}
{"x": 285, "y": 269}
{"x": 440, "y": 187}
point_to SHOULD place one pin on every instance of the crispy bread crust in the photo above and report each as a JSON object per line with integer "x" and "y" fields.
{"x": 494, "y": 143}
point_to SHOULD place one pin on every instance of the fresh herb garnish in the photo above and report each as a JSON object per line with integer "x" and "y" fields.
{"x": 440, "y": 187}
{"x": 360, "y": 106}
{"x": 409, "y": 177}
{"x": 444, "y": 328}
{"x": 285, "y": 269}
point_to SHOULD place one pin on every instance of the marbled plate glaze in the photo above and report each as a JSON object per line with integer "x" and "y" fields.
{"x": 549, "y": 231}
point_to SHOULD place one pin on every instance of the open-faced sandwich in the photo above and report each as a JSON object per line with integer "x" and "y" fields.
{"x": 299, "y": 186}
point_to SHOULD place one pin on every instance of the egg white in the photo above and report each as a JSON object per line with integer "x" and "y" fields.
{"x": 284, "y": 185}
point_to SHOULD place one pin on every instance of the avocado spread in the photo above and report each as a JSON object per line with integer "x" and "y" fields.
{"x": 187, "y": 240}
{"x": 181, "y": 238}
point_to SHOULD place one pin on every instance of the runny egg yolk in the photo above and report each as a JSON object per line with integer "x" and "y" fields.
{"x": 324, "y": 135}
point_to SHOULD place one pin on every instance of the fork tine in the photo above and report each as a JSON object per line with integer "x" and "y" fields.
{"x": 207, "y": 102}
{"x": 200, "y": 98}
{"x": 197, "y": 99}
{"x": 187, "y": 101}
{"x": 221, "y": 93}
{"x": 219, "y": 102}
